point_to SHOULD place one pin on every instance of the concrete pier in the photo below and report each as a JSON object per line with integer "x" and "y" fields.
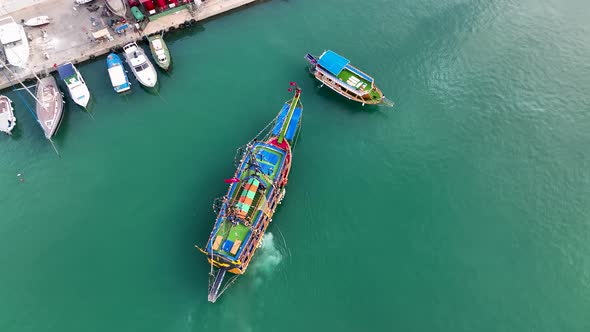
{"x": 68, "y": 38}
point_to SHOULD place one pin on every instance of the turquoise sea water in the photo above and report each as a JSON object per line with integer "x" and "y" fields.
{"x": 465, "y": 208}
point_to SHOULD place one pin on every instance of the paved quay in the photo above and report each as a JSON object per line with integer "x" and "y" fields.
{"x": 68, "y": 38}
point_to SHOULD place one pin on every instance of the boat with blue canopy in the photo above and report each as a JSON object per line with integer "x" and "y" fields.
{"x": 117, "y": 73}
{"x": 336, "y": 72}
{"x": 75, "y": 83}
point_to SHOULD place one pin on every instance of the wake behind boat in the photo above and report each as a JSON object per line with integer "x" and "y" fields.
{"x": 160, "y": 51}
{"x": 49, "y": 107}
{"x": 75, "y": 83}
{"x": 338, "y": 74}
{"x": 255, "y": 191}
{"x": 7, "y": 119}
{"x": 14, "y": 40}
{"x": 140, "y": 65}
{"x": 117, "y": 73}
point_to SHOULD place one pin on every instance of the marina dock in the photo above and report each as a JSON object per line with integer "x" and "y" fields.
{"x": 69, "y": 36}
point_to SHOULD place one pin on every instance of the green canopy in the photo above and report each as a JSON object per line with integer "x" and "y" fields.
{"x": 137, "y": 13}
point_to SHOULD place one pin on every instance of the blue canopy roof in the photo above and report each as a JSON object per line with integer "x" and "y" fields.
{"x": 66, "y": 70}
{"x": 333, "y": 62}
{"x": 292, "y": 129}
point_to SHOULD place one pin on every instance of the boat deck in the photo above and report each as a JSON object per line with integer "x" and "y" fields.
{"x": 358, "y": 82}
{"x": 249, "y": 198}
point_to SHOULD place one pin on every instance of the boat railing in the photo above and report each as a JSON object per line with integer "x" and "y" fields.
{"x": 360, "y": 72}
{"x": 336, "y": 79}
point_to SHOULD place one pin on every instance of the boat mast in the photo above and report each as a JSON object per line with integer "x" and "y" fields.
{"x": 21, "y": 83}
{"x": 289, "y": 116}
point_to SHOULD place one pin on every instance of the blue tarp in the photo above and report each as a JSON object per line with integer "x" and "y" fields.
{"x": 66, "y": 70}
{"x": 267, "y": 156}
{"x": 292, "y": 126}
{"x": 227, "y": 245}
{"x": 333, "y": 62}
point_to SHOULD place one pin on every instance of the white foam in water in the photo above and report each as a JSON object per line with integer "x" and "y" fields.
{"x": 266, "y": 259}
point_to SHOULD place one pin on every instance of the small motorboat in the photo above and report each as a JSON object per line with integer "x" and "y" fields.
{"x": 160, "y": 51}
{"x": 7, "y": 119}
{"x": 117, "y": 73}
{"x": 37, "y": 21}
{"x": 140, "y": 65}
{"x": 75, "y": 83}
{"x": 49, "y": 107}
{"x": 117, "y": 7}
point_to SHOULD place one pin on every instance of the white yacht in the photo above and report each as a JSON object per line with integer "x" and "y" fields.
{"x": 140, "y": 65}
{"x": 14, "y": 41}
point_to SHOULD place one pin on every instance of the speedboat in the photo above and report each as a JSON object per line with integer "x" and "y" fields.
{"x": 75, "y": 83}
{"x": 117, "y": 73}
{"x": 7, "y": 119}
{"x": 140, "y": 65}
{"x": 14, "y": 40}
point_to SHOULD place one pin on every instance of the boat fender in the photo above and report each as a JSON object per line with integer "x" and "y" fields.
{"x": 193, "y": 21}
{"x": 171, "y": 29}
{"x": 92, "y": 57}
{"x": 187, "y": 23}
{"x": 181, "y": 26}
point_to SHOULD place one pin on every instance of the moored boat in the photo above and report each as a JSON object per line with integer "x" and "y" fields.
{"x": 336, "y": 72}
{"x": 160, "y": 51}
{"x": 140, "y": 65}
{"x": 49, "y": 108}
{"x": 75, "y": 83}
{"x": 117, "y": 73}
{"x": 117, "y": 7}
{"x": 7, "y": 118}
{"x": 255, "y": 191}
{"x": 37, "y": 21}
{"x": 14, "y": 40}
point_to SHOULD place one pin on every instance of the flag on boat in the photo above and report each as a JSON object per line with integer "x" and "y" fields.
{"x": 232, "y": 180}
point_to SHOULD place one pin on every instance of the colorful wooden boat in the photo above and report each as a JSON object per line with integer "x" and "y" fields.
{"x": 336, "y": 72}
{"x": 117, "y": 73}
{"x": 37, "y": 21}
{"x": 255, "y": 191}
{"x": 7, "y": 118}
{"x": 160, "y": 51}
{"x": 75, "y": 82}
{"x": 49, "y": 108}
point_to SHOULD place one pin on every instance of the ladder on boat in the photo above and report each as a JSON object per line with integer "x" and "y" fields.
{"x": 214, "y": 289}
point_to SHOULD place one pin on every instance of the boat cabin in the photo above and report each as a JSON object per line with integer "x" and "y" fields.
{"x": 337, "y": 69}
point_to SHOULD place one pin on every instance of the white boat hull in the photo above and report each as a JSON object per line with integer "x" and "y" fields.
{"x": 16, "y": 45}
{"x": 7, "y": 118}
{"x": 143, "y": 70}
{"x": 37, "y": 21}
